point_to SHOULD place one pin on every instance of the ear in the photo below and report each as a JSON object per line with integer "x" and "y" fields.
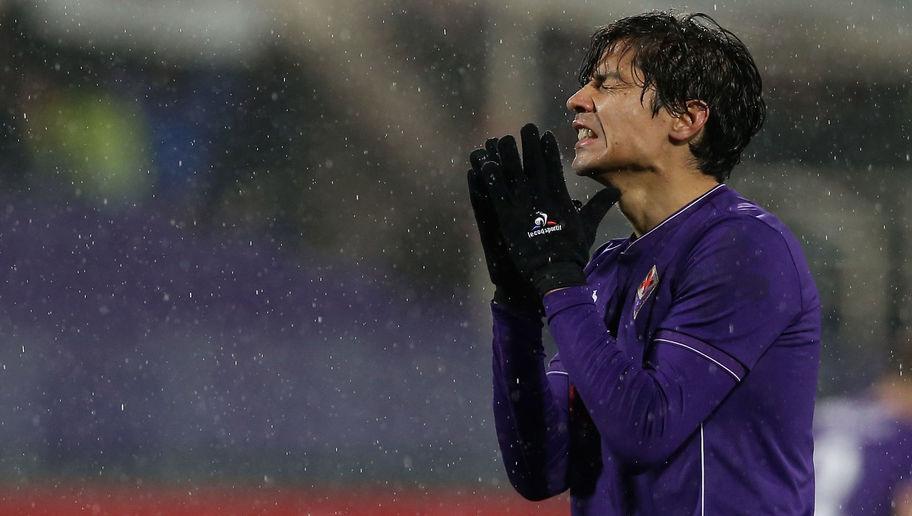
{"x": 689, "y": 124}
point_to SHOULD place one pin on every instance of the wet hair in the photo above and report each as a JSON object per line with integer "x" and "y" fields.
{"x": 686, "y": 57}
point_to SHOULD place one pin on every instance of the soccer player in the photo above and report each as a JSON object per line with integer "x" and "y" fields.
{"x": 687, "y": 353}
{"x": 863, "y": 457}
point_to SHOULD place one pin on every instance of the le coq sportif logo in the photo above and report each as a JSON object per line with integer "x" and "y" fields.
{"x": 541, "y": 225}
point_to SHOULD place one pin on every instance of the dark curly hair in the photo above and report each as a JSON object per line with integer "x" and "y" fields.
{"x": 690, "y": 57}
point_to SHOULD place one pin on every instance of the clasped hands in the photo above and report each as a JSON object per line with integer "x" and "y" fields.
{"x": 535, "y": 238}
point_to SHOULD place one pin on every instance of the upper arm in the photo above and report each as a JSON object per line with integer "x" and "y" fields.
{"x": 739, "y": 292}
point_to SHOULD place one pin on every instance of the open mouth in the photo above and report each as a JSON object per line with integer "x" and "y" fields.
{"x": 585, "y": 136}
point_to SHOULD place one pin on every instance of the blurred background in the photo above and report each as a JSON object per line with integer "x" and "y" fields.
{"x": 239, "y": 266}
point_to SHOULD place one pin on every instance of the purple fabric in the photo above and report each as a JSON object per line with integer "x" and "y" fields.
{"x": 863, "y": 457}
{"x": 535, "y": 458}
{"x": 694, "y": 351}
{"x": 539, "y": 434}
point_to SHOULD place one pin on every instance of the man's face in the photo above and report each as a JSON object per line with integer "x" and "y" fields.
{"x": 616, "y": 130}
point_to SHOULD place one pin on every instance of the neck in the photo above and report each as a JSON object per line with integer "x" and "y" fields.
{"x": 650, "y": 197}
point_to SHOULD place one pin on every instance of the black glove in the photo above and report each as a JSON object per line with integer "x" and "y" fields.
{"x": 547, "y": 236}
{"x": 510, "y": 288}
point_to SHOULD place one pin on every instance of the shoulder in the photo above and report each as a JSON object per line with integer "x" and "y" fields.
{"x": 745, "y": 246}
{"x": 739, "y": 224}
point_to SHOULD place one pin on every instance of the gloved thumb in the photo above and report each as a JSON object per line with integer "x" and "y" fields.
{"x": 595, "y": 209}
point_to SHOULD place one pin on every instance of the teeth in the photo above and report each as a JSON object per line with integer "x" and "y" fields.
{"x": 584, "y": 133}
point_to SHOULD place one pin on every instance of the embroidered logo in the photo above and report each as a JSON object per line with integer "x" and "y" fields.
{"x": 645, "y": 289}
{"x": 541, "y": 225}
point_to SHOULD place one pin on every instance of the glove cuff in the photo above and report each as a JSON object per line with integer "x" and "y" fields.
{"x": 558, "y": 275}
{"x": 528, "y": 302}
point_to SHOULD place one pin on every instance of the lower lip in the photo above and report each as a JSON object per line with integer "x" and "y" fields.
{"x": 582, "y": 143}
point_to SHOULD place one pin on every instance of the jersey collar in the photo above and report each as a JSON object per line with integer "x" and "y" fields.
{"x": 649, "y": 238}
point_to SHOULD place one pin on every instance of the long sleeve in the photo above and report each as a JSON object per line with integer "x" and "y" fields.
{"x": 738, "y": 293}
{"x": 530, "y": 407}
{"x": 644, "y": 414}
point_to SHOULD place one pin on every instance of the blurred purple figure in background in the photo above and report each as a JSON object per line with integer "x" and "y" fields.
{"x": 863, "y": 452}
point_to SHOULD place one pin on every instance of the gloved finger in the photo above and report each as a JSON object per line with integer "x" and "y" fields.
{"x": 555, "y": 177}
{"x": 495, "y": 182}
{"x": 484, "y": 211}
{"x": 480, "y": 197}
{"x": 491, "y": 147}
{"x": 488, "y": 228}
{"x": 477, "y": 158}
{"x": 551, "y": 151}
{"x": 533, "y": 160}
{"x": 595, "y": 209}
{"x": 505, "y": 196}
{"x": 509, "y": 160}
{"x": 478, "y": 203}
{"x": 478, "y": 192}
{"x": 481, "y": 192}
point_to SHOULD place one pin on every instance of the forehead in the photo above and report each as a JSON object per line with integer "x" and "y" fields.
{"x": 617, "y": 59}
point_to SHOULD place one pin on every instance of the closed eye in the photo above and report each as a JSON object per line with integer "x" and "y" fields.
{"x": 607, "y": 81}
{"x": 612, "y": 86}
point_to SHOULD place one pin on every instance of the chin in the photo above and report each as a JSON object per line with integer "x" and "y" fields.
{"x": 583, "y": 171}
{"x": 589, "y": 165}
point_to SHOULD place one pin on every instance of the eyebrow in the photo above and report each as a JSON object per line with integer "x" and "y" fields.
{"x": 601, "y": 76}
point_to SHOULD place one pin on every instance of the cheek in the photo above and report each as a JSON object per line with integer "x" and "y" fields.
{"x": 620, "y": 116}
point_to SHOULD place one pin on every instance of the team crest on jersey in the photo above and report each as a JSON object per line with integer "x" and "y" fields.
{"x": 646, "y": 288}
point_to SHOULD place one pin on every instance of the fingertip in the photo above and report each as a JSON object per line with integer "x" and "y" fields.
{"x": 549, "y": 142}
{"x": 529, "y": 129}
{"x": 506, "y": 146}
{"x": 491, "y": 147}
{"x": 548, "y": 137}
{"x": 489, "y": 168}
{"x": 530, "y": 139}
{"x": 478, "y": 157}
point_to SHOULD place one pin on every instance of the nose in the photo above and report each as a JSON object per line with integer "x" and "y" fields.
{"x": 581, "y": 101}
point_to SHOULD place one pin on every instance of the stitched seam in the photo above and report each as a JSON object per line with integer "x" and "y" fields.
{"x": 703, "y": 355}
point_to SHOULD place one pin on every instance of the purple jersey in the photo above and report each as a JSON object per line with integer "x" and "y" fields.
{"x": 685, "y": 378}
{"x": 863, "y": 457}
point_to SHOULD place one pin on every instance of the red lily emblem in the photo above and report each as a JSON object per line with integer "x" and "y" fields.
{"x": 645, "y": 289}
